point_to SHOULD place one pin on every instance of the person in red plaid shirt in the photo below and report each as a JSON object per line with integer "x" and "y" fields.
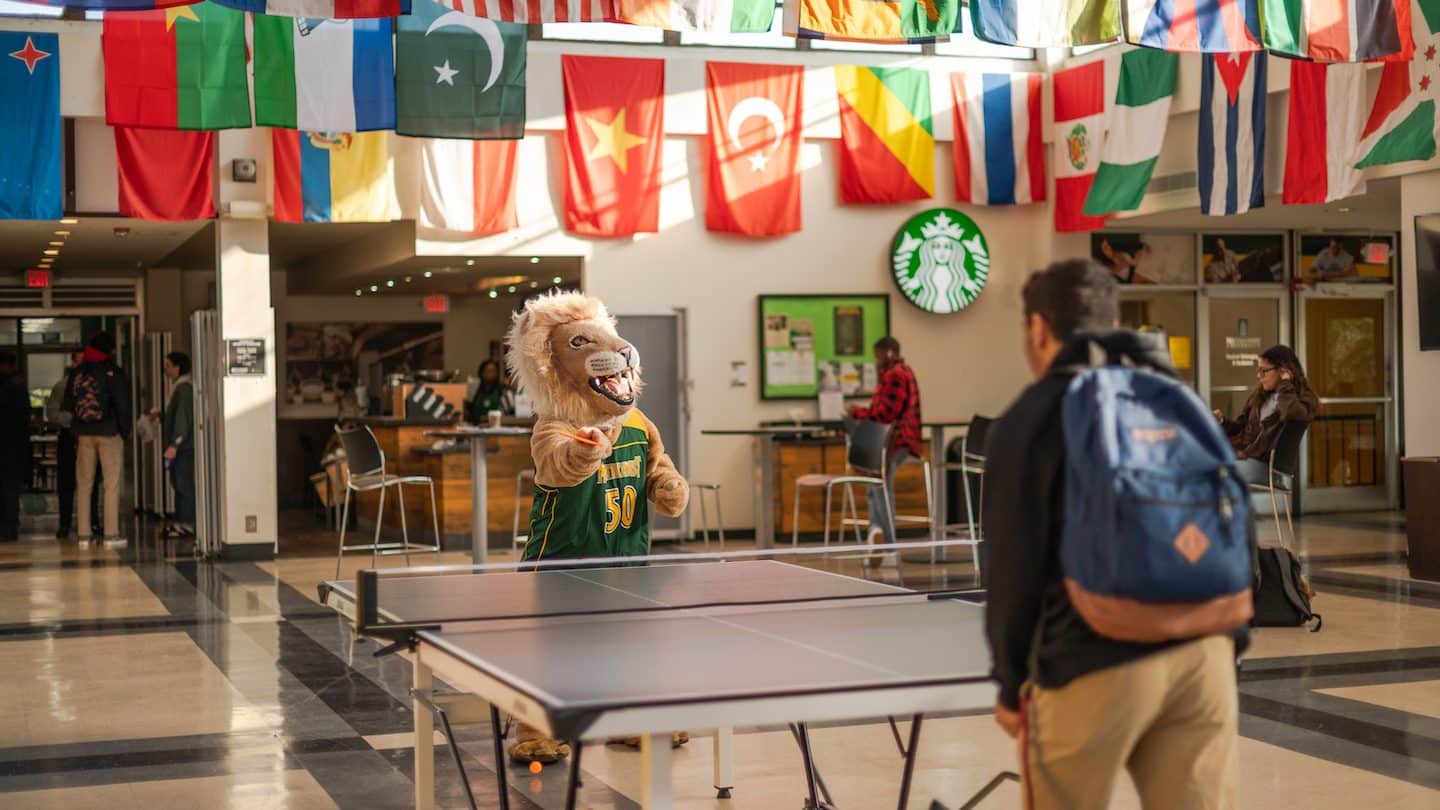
{"x": 896, "y": 401}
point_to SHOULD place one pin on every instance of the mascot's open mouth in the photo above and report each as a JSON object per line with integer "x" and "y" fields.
{"x": 619, "y": 388}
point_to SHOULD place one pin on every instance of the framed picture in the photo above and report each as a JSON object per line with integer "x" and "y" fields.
{"x": 1141, "y": 258}
{"x": 1243, "y": 258}
{"x": 807, "y": 338}
{"x": 1347, "y": 258}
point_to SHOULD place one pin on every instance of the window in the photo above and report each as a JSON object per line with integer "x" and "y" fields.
{"x": 774, "y": 38}
{"x": 602, "y": 32}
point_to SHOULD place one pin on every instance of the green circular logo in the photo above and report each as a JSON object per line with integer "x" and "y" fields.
{"x": 940, "y": 260}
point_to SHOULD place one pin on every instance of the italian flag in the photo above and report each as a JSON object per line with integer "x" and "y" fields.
{"x": 176, "y": 68}
{"x": 1135, "y": 131}
{"x": 1402, "y": 122}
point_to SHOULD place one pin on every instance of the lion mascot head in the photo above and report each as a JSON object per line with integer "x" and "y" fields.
{"x": 567, "y": 357}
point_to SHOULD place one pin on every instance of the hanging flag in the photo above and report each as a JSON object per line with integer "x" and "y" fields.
{"x": 322, "y": 9}
{"x": 887, "y": 141}
{"x": 754, "y": 148}
{"x": 533, "y": 12}
{"x": 1323, "y": 132}
{"x": 869, "y": 21}
{"x": 165, "y": 175}
{"x": 324, "y": 75}
{"x": 459, "y": 76}
{"x": 112, "y": 5}
{"x": 30, "y": 139}
{"x": 333, "y": 177}
{"x": 1332, "y": 30}
{"x": 614, "y": 123}
{"x": 1231, "y": 156}
{"x": 467, "y": 186}
{"x": 1079, "y": 113}
{"x": 1046, "y": 23}
{"x": 1402, "y": 124}
{"x": 1134, "y": 131}
{"x": 176, "y": 68}
{"x": 1189, "y": 26}
{"x": 732, "y": 16}
{"x": 999, "y": 156}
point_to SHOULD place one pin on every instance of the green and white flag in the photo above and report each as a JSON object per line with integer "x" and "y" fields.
{"x": 1403, "y": 123}
{"x": 458, "y": 76}
{"x": 1134, "y": 132}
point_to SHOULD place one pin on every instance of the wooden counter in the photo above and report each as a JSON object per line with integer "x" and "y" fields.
{"x": 797, "y": 457}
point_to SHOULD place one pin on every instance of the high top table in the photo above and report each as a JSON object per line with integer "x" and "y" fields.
{"x": 763, "y": 444}
{"x": 479, "y": 480}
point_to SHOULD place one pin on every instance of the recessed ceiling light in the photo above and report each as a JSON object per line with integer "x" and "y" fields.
{"x": 534, "y": 259}
{"x": 357, "y": 292}
{"x": 534, "y": 284}
{"x": 390, "y": 283}
{"x": 494, "y": 294}
{"x": 428, "y": 274}
{"x": 1343, "y": 210}
{"x": 62, "y": 233}
{"x": 511, "y": 288}
{"x": 51, "y": 252}
{"x": 374, "y": 288}
{"x": 408, "y": 279}
{"x": 556, "y": 280}
{"x": 69, "y": 222}
{"x": 57, "y": 244}
{"x": 469, "y": 262}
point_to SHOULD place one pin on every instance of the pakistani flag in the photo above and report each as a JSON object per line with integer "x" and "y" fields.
{"x": 458, "y": 76}
{"x": 1402, "y": 122}
{"x": 1134, "y": 131}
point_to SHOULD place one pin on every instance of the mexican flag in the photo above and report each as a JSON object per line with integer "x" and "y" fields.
{"x": 176, "y": 68}
{"x": 1403, "y": 121}
{"x": 1135, "y": 131}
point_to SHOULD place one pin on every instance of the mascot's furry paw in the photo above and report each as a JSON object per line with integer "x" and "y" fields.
{"x": 677, "y": 739}
{"x": 541, "y": 749}
{"x": 672, "y": 495}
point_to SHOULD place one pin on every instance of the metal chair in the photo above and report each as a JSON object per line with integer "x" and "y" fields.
{"x": 365, "y": 462}
{"x": 713, "y": 490}
{"x": 866, "y": 451}
{"x": 972, "y": 462}
{"x": 520, "y": 479}
{"x": 1283, "y": 468}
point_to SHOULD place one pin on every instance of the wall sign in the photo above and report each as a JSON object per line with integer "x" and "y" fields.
{"x": 940, "y": 260}
{"x": 245, "y": 357}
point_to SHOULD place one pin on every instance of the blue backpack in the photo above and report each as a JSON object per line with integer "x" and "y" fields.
{"x": 1158, "y": 523}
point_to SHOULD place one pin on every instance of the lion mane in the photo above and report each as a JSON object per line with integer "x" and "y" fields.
{"x": 531, "y": 360}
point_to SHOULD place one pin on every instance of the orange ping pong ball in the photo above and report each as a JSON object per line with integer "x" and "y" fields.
{"x": 536, "y": 767}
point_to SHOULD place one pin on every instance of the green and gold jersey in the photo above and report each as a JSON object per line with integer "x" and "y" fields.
{"x": 606, "y": 515}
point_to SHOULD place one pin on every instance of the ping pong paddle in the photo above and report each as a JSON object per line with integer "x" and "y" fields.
{"x": 586, "y": 440}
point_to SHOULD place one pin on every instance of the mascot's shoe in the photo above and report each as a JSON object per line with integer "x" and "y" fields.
{"x": 677, "y": 739}
{"x": 541, "y": 749}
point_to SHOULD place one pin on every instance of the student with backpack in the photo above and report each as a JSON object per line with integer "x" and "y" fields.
{"x": 97, "y": 398}
{"x": 1119, "y": 543}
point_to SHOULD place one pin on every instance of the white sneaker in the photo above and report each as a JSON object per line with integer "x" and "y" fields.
{"x": 116, "y": 542}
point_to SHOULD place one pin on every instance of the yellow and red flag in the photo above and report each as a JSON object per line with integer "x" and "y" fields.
{"x": 872, "y": 21}
{"x": 613, "y": 131}
{"x": 887, "y": 141}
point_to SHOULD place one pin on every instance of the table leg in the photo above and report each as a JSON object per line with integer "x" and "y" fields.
{"x": 655, "y": 772}
{"x": 764, "y": 491}
{"x": 939, "y": 503}
{"x": 724, "y": 762}
{"x": 480, "y": 509}
{"x": 424, "y": 740}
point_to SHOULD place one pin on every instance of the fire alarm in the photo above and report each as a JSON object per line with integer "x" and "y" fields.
{"x": 242, "y": 170}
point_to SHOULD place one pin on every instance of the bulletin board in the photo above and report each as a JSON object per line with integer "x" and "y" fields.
{"x": 803, "y": 336}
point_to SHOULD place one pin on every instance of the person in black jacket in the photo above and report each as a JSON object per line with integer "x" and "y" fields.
{"x": 1083, "y": 705}
{"x": 14, "y": 445}
{"x": 97, "y": 397}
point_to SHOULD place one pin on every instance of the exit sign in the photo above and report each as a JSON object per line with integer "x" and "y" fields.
{"x": 37, "y": 278}
{"x": 436, "y": 303}
{"x": 1376, "y": 253}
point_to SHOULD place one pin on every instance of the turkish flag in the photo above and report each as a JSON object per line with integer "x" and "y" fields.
{"x": 166, "y": 174}
{"x": 613, "y": 132}
{"x": 754, "y": 148}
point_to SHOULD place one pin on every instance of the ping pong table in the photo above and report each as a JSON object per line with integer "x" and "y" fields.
{"x": 593, "y": 654}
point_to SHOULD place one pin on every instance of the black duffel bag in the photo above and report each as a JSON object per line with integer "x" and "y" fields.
{"x": 1282, "y": 596}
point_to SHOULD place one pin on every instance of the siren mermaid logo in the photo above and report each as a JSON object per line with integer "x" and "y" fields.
{"x": 1077, "y": 146}
{"x": 940, "y": 260}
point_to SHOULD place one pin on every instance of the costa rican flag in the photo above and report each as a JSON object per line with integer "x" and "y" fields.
{"x": 1231, "y": 156}
{"x": 999, "y": 156}
{"x": 534, "y": 11}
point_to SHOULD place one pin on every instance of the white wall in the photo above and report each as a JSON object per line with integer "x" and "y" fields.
{"x": 1419, "y": 194}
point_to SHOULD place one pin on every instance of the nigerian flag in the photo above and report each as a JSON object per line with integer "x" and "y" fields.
{"x": 1134, "y": 131}
{"x": 1402, "y": 122}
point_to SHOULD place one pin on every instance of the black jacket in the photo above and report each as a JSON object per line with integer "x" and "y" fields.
{"x": 1023, "y": 513}
{"x": 120, "y": 418}
{"x": 14, "y": 429}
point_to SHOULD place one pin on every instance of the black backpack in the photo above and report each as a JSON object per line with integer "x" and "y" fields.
{"x": 90, "y": 394}
{"x": 1282, "y": 596}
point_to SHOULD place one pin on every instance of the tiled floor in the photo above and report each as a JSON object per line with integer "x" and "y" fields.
{"x": 135, "y": 680}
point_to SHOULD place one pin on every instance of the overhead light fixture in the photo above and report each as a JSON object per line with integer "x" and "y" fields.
{"x": 51, "y": 252}
{"x": 496, "y": 282}
{"x": 534, "y": 259}
{"x": 494, "y": 294}
{"x": 358, "y": 293}
{"x": 469, "y": 262}
{"x": 511, "y": 288}
{"x": 534, "y": 284}
{"x": 408, "y": 279}
{"x": 428, "y": 274}
{"x": 556, "y": 280}
{"x": 57, "y": 244}
{"x": 62, "y": 233}
{"x": 390, "y": 283}
{"x": 1343, "y": 209}
{"x": 69, "y": 222}
{"x": 374, "y": 288}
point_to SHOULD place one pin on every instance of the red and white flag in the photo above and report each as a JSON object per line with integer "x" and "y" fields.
{"x": 614, "y": 117}
{"x": 467, "y": 186}
{"x": 166, "y": 175}
{"x": 1079, "y": 104}
{"x": 754, "y": 148}
{"x": 1327, "y": 114}
{"x": 533, "y": 12}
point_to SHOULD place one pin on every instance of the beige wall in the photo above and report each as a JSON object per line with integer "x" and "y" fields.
{"x": 1419, "y": 194}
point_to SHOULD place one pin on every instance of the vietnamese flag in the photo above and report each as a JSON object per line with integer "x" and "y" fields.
{"x": 165, "y": 175}
{"x": 176, "y": 68}
{"x": 754, "y": 148}
{"x": 613, "y": 132}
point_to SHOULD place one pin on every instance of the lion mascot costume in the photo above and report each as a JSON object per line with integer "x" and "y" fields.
{"x": 599, "y": 462}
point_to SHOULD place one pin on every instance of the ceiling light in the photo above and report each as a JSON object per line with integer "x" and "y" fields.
{"x": 511, "y": 288}
{"x": 51, "y": 252}
{"x": 374, "y": 288}
{"x": 57, "y": 244}
{"x": 408, "y": 279}
{"x": 1343, "y": 210}
{"x": 494, "y": 294}
{"x": 62, "y": 233}
{"x": 358, "y": 293}
{"x": 534, "y": 284}
{"x": 534, "y": 259}
{"x": 390, "y": 283}
{"x": 69, "y": 222}
{"x": 469, "y": 262}
{"x": 428, "y": 274}
{"x": 556, "y": 280}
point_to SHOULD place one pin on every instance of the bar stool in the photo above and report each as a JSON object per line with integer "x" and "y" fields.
{"x": 366, "y": 464}
{"x": 525, "y": 475}
{"x": 713, "y": 490}
{"x": 866, "y": 448}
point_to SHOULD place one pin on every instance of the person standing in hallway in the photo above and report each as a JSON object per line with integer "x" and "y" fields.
{"x": 14, "y": 445}
{"x": 56, "y": 414}
{"x": 896, "y": 401}
{"x": 492, "y": 394}
{"x": 179, "y": 437}
{"x": 98, "y": 401}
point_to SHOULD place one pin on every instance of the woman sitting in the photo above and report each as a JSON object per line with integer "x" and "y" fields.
{"x": 1281, "y": 395}
{"x": 491, "y": 395}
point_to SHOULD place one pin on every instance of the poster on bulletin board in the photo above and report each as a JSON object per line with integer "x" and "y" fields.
{"x": 805, "y": 338}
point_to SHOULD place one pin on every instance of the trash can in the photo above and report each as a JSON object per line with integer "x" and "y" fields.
{"x": 1422, "y": 516}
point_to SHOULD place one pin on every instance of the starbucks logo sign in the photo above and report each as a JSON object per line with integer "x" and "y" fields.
{"x": 940, "y": 260}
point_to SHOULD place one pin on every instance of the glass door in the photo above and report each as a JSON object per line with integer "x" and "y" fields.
{"x": 1347, "y": 343}
{"x": 1238, "y": 325}
{"x": 1170, "y": 312}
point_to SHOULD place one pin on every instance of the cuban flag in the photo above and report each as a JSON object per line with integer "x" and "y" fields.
{"x": 999, "y": 154}
{"x": 323, "y": 9}
{"x": 1191, "y": 26}
{"x": 1232, "y": 132}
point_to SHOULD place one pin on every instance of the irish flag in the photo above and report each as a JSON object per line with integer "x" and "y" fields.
{"x": 176, "y": 68}
{"x": 333, "y": 177}
{"x": 1136, "y": 129}
{"x": 887, "y": 142}
{"x": 1402, "y": 122}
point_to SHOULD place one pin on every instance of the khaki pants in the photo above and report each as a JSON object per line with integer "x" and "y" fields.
{"x": 1170, "y": 719}
{"x": 109, "y": 453}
